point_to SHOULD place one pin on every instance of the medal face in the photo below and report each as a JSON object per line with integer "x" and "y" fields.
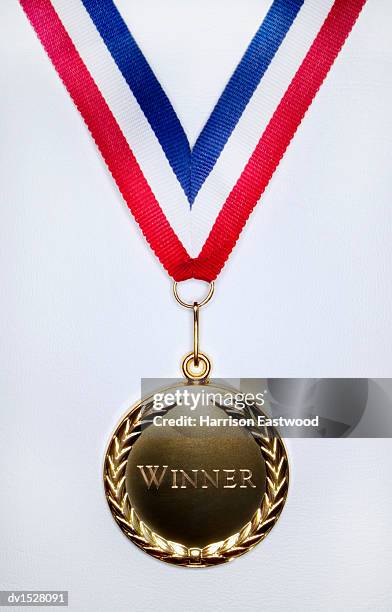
{"x": 197, "y": 482}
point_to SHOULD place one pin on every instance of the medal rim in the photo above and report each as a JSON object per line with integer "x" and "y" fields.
{"x": 276, "y": 461}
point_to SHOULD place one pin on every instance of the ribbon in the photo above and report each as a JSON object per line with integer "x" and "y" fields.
{"x": 192, "y": 166}
{"x": 194, "y": 170}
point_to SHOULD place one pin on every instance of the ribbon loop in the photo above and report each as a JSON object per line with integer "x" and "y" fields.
{"x": 139, "y": 135}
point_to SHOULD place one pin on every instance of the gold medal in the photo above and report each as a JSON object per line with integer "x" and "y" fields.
{"x": 190, "y": 475}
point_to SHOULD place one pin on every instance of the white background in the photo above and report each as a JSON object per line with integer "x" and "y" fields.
{"x": 86, "y": 311}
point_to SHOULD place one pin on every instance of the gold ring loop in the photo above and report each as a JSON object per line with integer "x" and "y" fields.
{"x": 196, "y": 308}
{"x": 193, "y": 372}
{"x": 205, "y": 301}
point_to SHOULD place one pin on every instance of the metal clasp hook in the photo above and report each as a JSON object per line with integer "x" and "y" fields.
{"x": 196, "y": 366}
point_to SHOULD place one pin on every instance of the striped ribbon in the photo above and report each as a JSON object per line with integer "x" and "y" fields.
{"x": 192, "y": 166}
{"x": 190, "y": 216}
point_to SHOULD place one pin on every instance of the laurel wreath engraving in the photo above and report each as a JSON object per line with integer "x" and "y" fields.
{"x": 277, "y": 476}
